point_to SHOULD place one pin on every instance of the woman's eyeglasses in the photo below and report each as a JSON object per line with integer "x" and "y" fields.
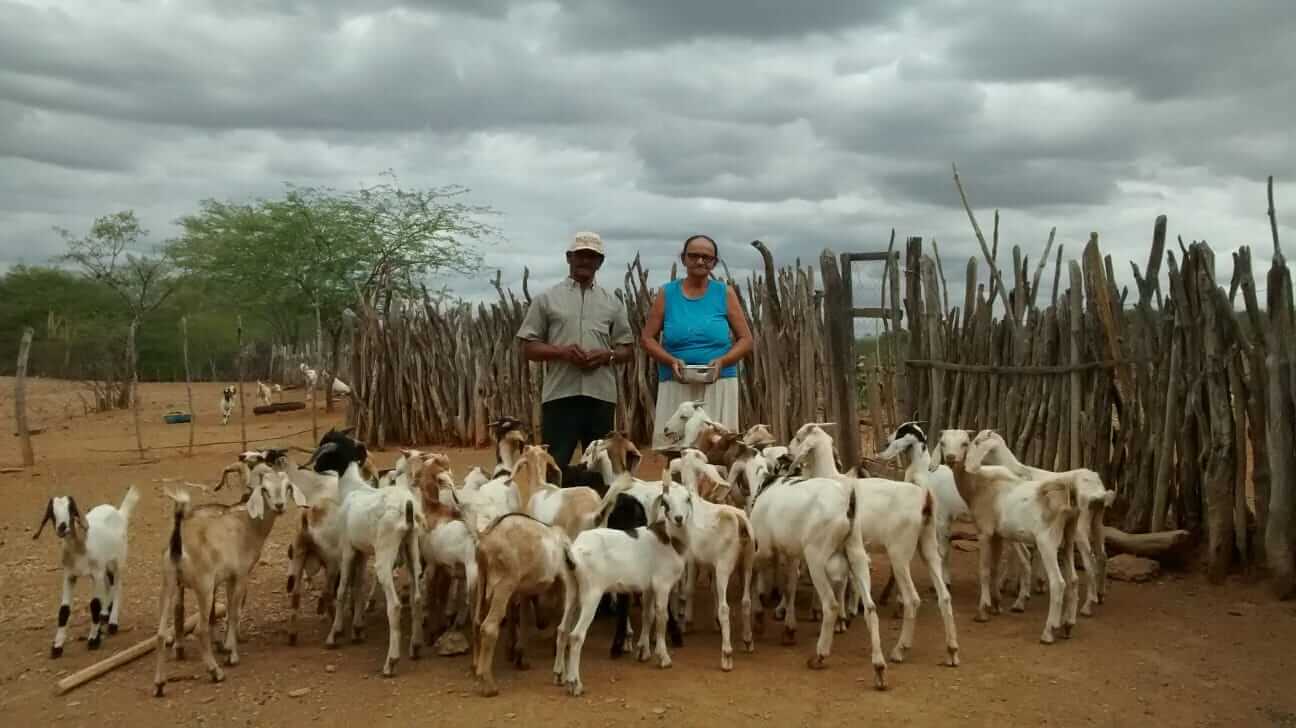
{"x": 702, "y": 258}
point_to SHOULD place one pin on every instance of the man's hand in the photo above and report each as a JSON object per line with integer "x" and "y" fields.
{"x": 596, "y": 358}
{"x": 573, "y": 354}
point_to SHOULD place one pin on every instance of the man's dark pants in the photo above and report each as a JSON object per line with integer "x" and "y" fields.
{"x": 571, "y": 420}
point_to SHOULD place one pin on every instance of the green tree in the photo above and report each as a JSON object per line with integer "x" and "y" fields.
{"x": 315, "y": 250}
{"x": 141, "y": 282}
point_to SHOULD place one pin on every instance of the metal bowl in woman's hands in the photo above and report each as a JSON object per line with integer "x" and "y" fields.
{"x": 698, "y": 374}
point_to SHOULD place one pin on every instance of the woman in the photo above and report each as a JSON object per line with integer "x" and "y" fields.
{"x": 700, "y": 323}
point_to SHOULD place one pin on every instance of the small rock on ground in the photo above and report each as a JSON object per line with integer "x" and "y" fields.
{"x": 1132, "y": 568}
{"x": 451, "y": 644}
{"x": 299, "y": 692}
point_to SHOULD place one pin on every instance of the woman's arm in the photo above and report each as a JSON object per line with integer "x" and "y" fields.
{"x": 652, "y": 328}
{"x": 742, "y": 344}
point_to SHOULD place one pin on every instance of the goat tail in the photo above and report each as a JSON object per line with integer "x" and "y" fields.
{"x": 127, "y": 506}
{"x": 1059, "y": 496}
{"x": 176, "y": 545}
{"x": 929, "y": 508}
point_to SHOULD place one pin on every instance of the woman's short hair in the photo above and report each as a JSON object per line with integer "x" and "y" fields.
{"x": 715, "y": 249}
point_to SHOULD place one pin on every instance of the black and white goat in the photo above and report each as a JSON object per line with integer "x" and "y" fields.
{"x": 227, "y": 403}
{"x": 94, "y": 545}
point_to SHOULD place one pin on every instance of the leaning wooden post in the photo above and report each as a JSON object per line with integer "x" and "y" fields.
{"x": 241, "y": 377}
{"x": 20, "y": 399}
{"x": 184, "y": 349}
{"x": 838, "y": 320}
{"x": 1076, "y": 311}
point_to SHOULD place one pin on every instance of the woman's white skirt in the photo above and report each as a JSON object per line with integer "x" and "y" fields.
{"x": 720, "y": 400}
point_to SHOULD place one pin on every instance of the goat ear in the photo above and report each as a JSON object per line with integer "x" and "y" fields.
{"x": 256, "y": 502}
{"x": 553, "y": 473}
{"x": 75, "y": 513}
{"x": 49, "y": 517}
{"x": 297, "y": 496}
{"x": 632, "y": 457}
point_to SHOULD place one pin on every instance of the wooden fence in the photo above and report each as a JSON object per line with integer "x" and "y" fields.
{"x": 426, "y": 373}
{"x": 1182, "y": 404}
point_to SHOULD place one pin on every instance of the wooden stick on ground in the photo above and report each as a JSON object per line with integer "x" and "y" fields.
{"x": 1151, "y": 545}
{"x": 134, "y": 652}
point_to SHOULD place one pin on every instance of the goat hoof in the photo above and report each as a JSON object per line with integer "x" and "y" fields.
{"x": 217, "y": 675}
{"x": 981, "y": 617}
{"x": 488, "y": 691}
{"x": 522, "y": 664}
{"x": 1066, "y": 631}
{"x": 898, "y": 654}
{"x": 644, "y": 655}
{"x": 780, "y": 614}
{"x": 952, "y": 660}
{"x": 726, "y": 661}
{"x": 93, "y": 643}
{"x": 56, "y": 652}
{"x": 1019, "y": 607}
{"x": 179, "y": 653}
{"x": 292, "y": 640}
{"x": 1087, "y": 610}
{"x": 157, "y": 689}
{"x": 749, "y": 646}
{"x": 816, "y": 662}
{"x": 1046, "y": 638}
{"x": 879, "y": 677}
{"x": 231, "y": 660}
{"x": 575, "y": 689}
{"x": 664, "y": 664}
{"x": 789, "y": 636}
{"x": 414, "y": 652}
{"x": 112, "y": 629}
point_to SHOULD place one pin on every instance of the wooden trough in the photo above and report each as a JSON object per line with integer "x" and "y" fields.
{"x": 269, "y": 409}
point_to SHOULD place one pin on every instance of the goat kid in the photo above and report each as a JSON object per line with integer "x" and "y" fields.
{"x": 649, "y": 559}
{"x": 94, "y": 546}
{"x": 220, "y": 547}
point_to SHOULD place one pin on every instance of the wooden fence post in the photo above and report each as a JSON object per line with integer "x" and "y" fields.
{"x": 935, "y": 345}
{"x": 1077, "y": 312}
{"x": 184, "y": 348}
{"x": 241, "y": 376}
{"x": 1278, "y": 539}
{"x": 319, "y": 347}
{"x": 20, "y": 399}
{"x": 841, "y": 343}
{"x": 133, "y": 358}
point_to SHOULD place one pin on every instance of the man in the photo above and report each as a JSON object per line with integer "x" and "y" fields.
{"x": 580, "y": 331}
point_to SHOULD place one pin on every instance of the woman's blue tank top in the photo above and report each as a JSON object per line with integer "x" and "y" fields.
{"x": 696, "y": 331}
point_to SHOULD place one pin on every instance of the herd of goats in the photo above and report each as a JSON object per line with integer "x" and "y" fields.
{"x": 530, "y": 539}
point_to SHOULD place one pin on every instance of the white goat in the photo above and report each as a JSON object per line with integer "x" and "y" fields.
{"x": 910, "y": 440}
{"x": 901, "y": 518}
{"x": 811, "y": 519}
{"x": 1093, "y": 499}
{"x": 383, "y": 524}
{"x": 263, "y": 392}
{"x": 649, "y": 559}
{"x": 719, "y": 536}
{"x": 94, "y": 546}
{"x": 1041, "y": 513}
{"x": 310, "y": 376}
{"x": 218, "y": 547}
{"x": 227, "y": 403}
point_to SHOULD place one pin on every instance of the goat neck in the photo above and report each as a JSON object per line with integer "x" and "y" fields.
{"x": 694, "y": 427}
{"x": 822, "y": 464}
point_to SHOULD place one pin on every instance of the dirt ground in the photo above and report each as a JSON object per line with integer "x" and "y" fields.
{"x": 1173, "y": 652}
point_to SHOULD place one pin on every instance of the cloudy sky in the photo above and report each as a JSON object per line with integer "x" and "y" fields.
{"x": 813, "y": 124}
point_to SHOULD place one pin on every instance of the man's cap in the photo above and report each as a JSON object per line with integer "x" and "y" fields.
{"x": 586, "y": 241}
